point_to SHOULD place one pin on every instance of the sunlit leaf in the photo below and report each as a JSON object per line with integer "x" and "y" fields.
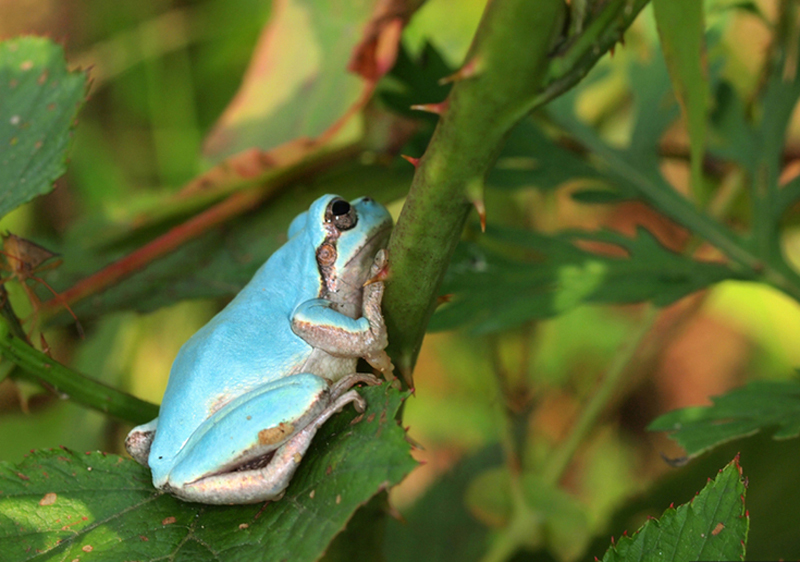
{"x": 39, "y": 99}
{"x": 313, "y": 68}
{"x": 759, "y": 406}
{"x": 712, "y": 526}
{"x": 65, "y": 505}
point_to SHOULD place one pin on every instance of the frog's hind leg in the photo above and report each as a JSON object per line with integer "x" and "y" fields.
{"x": 139, "y": 440}
{"x": 256, "y": 483}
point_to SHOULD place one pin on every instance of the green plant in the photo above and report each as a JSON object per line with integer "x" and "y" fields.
{"x": 506, "y": 134}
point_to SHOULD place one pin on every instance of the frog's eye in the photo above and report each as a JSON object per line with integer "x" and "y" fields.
{"x": 341, "y": 214}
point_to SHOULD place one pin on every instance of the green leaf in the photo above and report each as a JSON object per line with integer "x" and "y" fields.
{"x": 680, "y": 26}
{"x": 713, "y": 526}
{"x": 636, "y": 169}
{"x": 60, "y": 505}
{"x": 788, "y": 195}
{"x": 531, "y": 158}
{"x": 598, "y": 196}
{"x": 758, "y": 406}
{"x": 39, "y": 99}
{"x": 491, "y": 290}
{"x": 732, "y": 136}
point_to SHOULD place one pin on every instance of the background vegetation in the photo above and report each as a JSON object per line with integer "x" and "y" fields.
{"x": 638, "y": 258}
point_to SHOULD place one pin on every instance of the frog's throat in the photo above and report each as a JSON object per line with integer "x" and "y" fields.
{"x": 343, "y": 284}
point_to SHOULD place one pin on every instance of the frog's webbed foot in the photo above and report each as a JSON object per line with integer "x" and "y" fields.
{"x": 139, "y": 440}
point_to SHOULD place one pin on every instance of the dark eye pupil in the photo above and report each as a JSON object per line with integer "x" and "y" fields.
{"x": 340, "y": 208}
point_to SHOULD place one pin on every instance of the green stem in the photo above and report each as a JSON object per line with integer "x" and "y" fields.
{"x": 562, "y": 456}
{"x": 69, "y": 384}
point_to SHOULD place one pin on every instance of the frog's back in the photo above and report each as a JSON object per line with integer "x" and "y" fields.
{"x": 246, "y": 345}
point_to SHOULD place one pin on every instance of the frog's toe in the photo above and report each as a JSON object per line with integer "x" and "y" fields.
{"x": 138, "y": 441}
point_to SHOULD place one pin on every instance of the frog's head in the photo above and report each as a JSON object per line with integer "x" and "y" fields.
{"x": 346, "y": 237}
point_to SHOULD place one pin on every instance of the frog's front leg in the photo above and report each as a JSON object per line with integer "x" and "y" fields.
{"x": 227, "y": 463}
{"x": 323, "y": 327}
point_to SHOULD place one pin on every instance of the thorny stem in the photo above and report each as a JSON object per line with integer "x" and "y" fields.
{"x": 492, "y": 92}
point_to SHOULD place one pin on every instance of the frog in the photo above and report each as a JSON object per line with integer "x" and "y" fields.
{"x": 247, "y": 392}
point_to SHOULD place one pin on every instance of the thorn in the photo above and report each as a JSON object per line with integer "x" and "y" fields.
{"x": 441, "y": 299}
{"x": 481, "y": 208}
{"x": 437, "y": 108}
{"x": 469, "y": 70}
{"x": 411, "y": 159}
{"x": 612, "y": 49}
{"x": 622, "y": 39}
{"x": 475, "y": 196}
{"x": 413, "y": 442}
{"x": 45, "y": 345}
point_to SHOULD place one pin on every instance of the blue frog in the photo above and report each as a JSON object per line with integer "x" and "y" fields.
{"x": 247, "y": 392}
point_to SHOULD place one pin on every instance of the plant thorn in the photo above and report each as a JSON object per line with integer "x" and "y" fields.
{"x": 411, "y": 159}
{"x": 437, "y": 108}
{"x": 481, "y": 208}
{"x": 469, "y": 70}
{"x": 413, "y": 442}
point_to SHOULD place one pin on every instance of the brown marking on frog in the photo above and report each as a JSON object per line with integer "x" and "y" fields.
{"x": 276, "y": 434}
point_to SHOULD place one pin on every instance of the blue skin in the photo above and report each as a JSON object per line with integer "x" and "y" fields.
{"x": 279, "y": 360}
